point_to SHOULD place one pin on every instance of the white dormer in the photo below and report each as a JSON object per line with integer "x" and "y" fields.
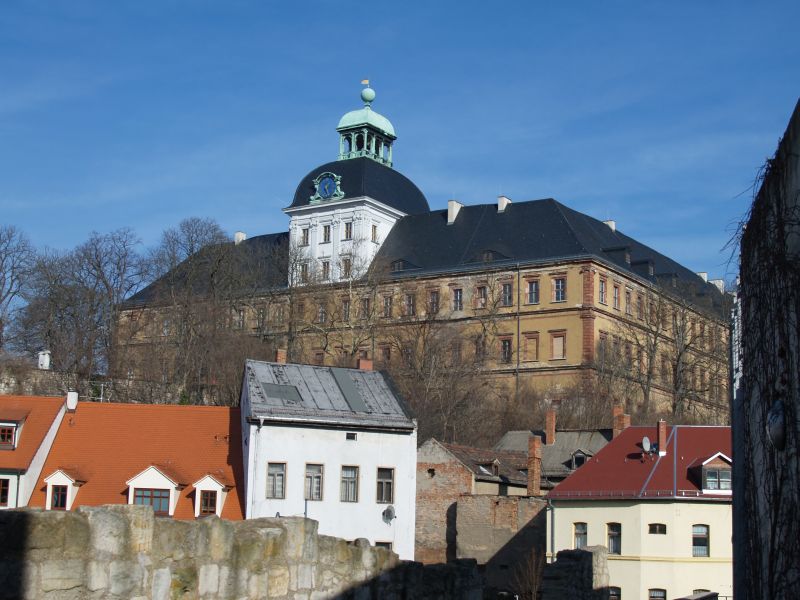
{"x": 156, "y": 486}
{"x": 210, "y": 494}
{"x": 62, "y": 487}
{"x": 716, "y": 473}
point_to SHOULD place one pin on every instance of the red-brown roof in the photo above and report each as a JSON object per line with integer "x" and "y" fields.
{"x": 511, "y": 465}
{"x": 108, "y": 444}
{"x": 622, "y": 470}
{"x": 38, "y": 413}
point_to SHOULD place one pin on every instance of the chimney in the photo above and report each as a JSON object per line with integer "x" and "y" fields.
{"x": 703, "y": 275}
{"x": 550, "y": 427}
{"x": 364, "y": 364}
{"x": 280, "y": 356}
{"x": 44, "y": 360}
{"x": 72, "y": 401}
{"x": 239, "y": 237}
{"x": 612, "y": 225}
{"x": 502, "y": 202}
{"x": 534, "y": 465}
{"x": 662, "y": 437}
{"x": 719, "y": 284}
{"x": 453, "y": 206}
{"x": 621, "y": 421}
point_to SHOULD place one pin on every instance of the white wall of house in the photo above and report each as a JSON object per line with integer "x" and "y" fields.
{"x": 363, "y": 213}
{"x": 298, "y": 446}
{"x": 653, "y": 560}
{"x": 60, "y": 478}
{"x": 13, "y": 483}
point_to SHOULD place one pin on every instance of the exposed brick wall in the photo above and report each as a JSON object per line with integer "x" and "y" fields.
{"x": 441, "y": 480}
{"x": 587, "y": 336}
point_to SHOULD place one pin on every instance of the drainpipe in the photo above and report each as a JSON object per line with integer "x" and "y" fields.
{"x": 16, "y": 502}
{"x": 552, "y": 510}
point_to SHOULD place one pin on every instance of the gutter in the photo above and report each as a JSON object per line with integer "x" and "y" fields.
{"x": 311, "y": 422}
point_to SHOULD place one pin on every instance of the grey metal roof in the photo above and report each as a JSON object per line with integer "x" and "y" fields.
{"x": 323, "y": 395}
{"x": 557, "y": 457}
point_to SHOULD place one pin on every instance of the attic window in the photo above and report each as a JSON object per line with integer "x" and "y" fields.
{"x": 398, "y": 265}
{"x": 578, "y": 459}
{"x": 8, "y": 435}
{"x": 350, "y": 435}
{"x": 717, "y": 479}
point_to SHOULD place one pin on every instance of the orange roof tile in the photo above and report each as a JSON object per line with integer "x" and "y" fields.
{"x": 108, "y": 444}
{"x": 39, "y": 412}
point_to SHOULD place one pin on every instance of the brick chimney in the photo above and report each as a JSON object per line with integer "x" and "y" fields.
{"x": 365, "y": 364}
{"x": 534, "y": 465}
{"x": 621, "y": 421}
{"x": 280, "y": 356}
{"x": 550, "y": 427}
{"x": 662, "y": 437}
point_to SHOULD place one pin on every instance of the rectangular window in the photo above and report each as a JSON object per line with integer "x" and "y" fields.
{"x": 351, "y": 436}
{"x": 349, "y": 485}
{"x": 375, "y": 233}
{"x": 718, "y": 479}
{"x": 319, "y": 358}
{"x": 326, "y": 234}
{"x": 276, "y": 480}
{"x": 385, "y": 486}
{"x": 657, "y": 528}
{"x": 385, "y": 353}
{"x": 505, "y": 350}
{"x": 347, "y": 268}
{"x": 410, "y": 305}
{"x": 346, "y": 310}
{"x": 532, "y": 347}
{"x": 602, "y": 296}
{"x": 639, "y": 306}
{"x": 616, "y": 297}
{"x": 58, "y": 497}
{"x": 656, "y": 594}
{"x": 7, "y": 434}
{"x": 348, "y": 230}
{"x": 481, "y": 296}
{"x": 5, "y": 485}
{"x": 433, "y": 302}
{"x": 458, "y": 299}
{"x": 304, "y": 237}
{"x": 326, "y": 270}
{"x": 364, "y": 309}
{"x": 208, "y": 503}
{"x": 322, "y": 313}
{"x": 313, "y": 482}
{"x": 699, "y": 540}
{"x": 261, "y": 318}
{"x": 560, "y": 289}
{"x": 533, "y": 292}
{"x": 387, "y": 307}
{"x": 558, "y": 345}
{"x": 580, "y": 535}
{"x": 158, "y": 499}
{"x": 304, "y": 273}
{"x": 628, "y": 303}
{"x": 507, "y": 296}
{"x": 238, "y": 318}
{"x": 387, "y": 545}
{"x": 614, "y": 538}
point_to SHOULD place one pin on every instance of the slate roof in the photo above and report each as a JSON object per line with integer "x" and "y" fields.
{"x": 262, "y": 262}
{"x": 557, "y": 457}
{"x": 105, "y": 444}
{"x": 316, "y": 395}
{"x": 366, "y": 177}
{"x": 37, "y": 414}
{"x": 531, "y": 232}
{"x": 512, "y": 466}
{"x": 620, "y": 470}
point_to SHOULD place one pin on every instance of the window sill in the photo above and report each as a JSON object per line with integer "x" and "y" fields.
{"x": 558, "y": 301}
{"x": 556, "y": 359}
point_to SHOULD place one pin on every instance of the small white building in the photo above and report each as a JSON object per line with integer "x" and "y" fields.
{"x": 335, "y": 445}
{"x": 659, "y": 498}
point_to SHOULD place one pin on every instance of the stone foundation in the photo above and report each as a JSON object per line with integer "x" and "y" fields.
{"x": 124, "y": 552}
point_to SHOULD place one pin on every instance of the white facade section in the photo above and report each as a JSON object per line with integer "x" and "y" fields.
{"x": 295, "y": 447}
{"x": 652, "y": 560}
{"x": 60, "y": 478}
{"x": 356, "y": 228}
{"x": 153, "y": 479}
{"x": 208, "y": 483}
{"x": 27, "y": 481}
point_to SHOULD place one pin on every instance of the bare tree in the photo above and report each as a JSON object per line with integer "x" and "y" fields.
{"x": 16, "y": 260}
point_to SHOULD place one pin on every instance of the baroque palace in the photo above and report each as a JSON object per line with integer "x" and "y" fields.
{"x": 532, "y": 293}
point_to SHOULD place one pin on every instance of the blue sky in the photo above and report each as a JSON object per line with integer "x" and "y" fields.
{"x": 656, "y": 114}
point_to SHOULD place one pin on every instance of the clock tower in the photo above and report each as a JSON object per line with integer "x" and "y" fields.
{"x": 342, "y": 211}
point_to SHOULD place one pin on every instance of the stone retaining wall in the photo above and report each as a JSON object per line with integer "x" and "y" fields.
{"x": 124, "y": 552}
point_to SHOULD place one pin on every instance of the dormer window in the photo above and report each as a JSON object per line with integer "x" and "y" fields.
{"x": 8, "y": 435}
{"x": 717, "y": 479}
{"x": 154, "y": 487}
{"x": 579, "y": 458}
{"x": 62, "y": 488}
{"x": 210, "y": 493}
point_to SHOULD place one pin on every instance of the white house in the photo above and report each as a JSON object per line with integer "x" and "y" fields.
{"x": 659, "y": 499}
{"x": 336, "y": 445}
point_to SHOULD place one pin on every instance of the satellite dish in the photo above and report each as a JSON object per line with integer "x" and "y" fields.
{"x": 646, "y": 444}
{"x": 389, "y": 514}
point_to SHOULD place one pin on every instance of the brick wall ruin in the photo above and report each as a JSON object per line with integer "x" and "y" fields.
{"x": 124, "y": 552}
{"x": 577, "y": 574}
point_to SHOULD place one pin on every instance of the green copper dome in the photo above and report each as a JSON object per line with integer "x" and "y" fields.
{"x": 367, "y": 116}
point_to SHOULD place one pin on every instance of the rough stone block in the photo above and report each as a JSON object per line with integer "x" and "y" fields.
{"x": 162, "y": 579}
{"x": 62, "y": 575}
{"x": 278, "y": 582}
{"x": 208, "y": 579}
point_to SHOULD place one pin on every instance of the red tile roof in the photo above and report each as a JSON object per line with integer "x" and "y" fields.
{"x": 622, "y": 470}
{"x": 108, "y": 444}
{"x": 38, "y": 413}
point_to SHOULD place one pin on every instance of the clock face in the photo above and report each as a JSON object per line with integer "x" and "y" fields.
{"x": 327, "y": 187}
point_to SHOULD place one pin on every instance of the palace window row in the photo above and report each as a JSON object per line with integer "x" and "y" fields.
{"x": 700, "y": 537}
{"x": 314, "y": 479}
